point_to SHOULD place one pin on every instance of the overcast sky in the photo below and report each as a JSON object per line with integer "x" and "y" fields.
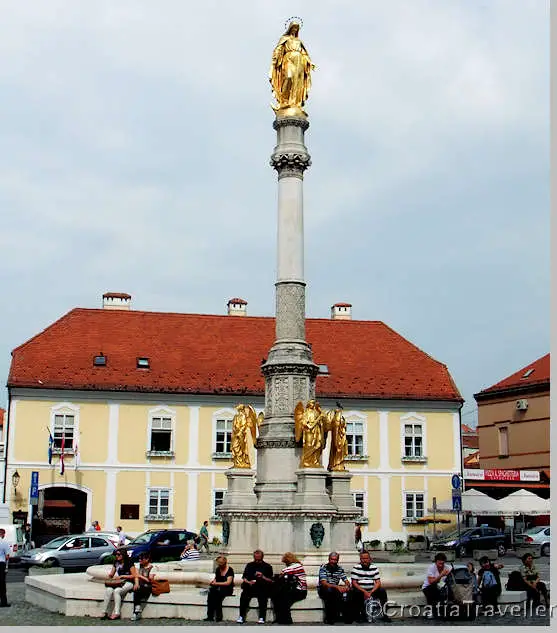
{"x": 136, "y": 138}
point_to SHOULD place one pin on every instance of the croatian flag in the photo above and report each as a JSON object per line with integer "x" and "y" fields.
{"x": 62, "y": 454}
{"x": 50, "y": 445}
{"x": 75, "y": 453}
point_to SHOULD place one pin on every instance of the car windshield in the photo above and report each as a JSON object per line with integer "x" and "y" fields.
{"x": 143, "y": 538}
{"x": 535, "y": 530}
{"x": 451, "y": 536}
{"x": 55, "y": 543}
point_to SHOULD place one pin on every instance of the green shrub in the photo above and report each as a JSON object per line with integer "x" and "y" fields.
{"x": 375, "y": 543}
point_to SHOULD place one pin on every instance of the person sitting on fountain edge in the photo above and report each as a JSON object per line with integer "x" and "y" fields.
{"x": 331, "y": 591}
{"x": 257, "y": 581}
{"x": 366, "y": 584}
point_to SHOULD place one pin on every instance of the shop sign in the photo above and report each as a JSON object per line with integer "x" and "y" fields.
{"x": 500, "y": 474}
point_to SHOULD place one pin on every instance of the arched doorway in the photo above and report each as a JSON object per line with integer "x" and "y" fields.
{"x": 62, "y": 510}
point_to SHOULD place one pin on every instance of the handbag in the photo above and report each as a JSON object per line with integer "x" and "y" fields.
{"x": 112, "y": 582}
{"x": 160, "y": 586}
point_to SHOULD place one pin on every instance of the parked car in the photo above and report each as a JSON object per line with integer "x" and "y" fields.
{"x": 160, "y": 544}
{"x": 539, "y": 535}
{"x": 474, "y": 538}
{"x": 15, "y": 539}
{"x": 71, "y": 551}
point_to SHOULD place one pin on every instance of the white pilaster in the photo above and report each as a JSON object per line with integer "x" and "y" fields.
{"x": 193, "y": 457}
{"x": 383, "y": 440}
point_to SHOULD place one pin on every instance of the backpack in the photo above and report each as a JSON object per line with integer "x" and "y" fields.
{"x": 515, "y": 582}
{"x": 488, "y": 579}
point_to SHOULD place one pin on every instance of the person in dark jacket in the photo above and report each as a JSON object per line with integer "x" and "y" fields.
{"x": 257, "y": 581}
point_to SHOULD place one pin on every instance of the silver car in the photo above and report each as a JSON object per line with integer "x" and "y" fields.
{"x": 539, "y": 535}
{"x": 71, "y": 551}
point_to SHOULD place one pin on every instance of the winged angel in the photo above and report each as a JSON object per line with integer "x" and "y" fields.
{"x": 245, "y": 422}
{"x": 311, "y": 426}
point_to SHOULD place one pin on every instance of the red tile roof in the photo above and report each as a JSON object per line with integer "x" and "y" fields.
{"x": 116, "y": 295}
{"x": 2, "y": 417}
{"x": 468, "y": 429}
{"x": 342, "y": 305}
{"x": 207, "y": 354}
{"x": 539, "y": 375}
{"x": 238, "y": 300}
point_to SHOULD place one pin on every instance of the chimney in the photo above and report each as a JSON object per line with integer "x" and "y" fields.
{"x": 117, "y": 301}
{"x": 237, "y": 307}
{"x": 341, "y": 312}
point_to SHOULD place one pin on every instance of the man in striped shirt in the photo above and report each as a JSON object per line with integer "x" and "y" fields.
{"x": 366, "y": 584}
{"x": 190, "y": 552}
{"x": 331, "y": 591}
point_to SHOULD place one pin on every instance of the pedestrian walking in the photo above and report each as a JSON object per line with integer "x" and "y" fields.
{"x": 121, "y": 536}
{"x": 4, "y": 558}
{"x": 204, "y": 536}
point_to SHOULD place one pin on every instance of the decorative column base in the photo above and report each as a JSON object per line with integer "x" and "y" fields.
{"x": 341, "y": 496}
{"x": 240, "y": 495}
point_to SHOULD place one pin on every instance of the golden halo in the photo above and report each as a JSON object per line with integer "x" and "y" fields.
{"x": 293, "y": 20}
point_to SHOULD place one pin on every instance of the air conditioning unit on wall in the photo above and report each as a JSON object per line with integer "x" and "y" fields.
{"x": 521, "y": 405}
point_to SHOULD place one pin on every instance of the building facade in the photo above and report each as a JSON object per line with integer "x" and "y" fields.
{"x": 140, "y": 406}
{"x": 514, "y": 433}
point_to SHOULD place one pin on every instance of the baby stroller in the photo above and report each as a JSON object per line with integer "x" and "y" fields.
{"x": 460, "y": 595}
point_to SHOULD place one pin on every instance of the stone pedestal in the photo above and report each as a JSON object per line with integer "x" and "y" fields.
{"x": 240, "y": 492}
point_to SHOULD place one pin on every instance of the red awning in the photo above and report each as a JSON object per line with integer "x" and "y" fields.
{"x": 58, "y": 503}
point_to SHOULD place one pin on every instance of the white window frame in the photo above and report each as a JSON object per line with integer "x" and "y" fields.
{"x": 65, "y": 408}
{"x": 161, "y": 412}
{"x": 364, "y": 493}
{"x": 359, "y": 418}
{"x": 413, "y": 519}
{"x": 415, "y": 419}
{"x": 213, "y": 502}
{"x": 222, "y": 414}
{"x": 159, "y": 517}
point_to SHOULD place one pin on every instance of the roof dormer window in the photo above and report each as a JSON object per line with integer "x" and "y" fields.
{"x": 143, "y": 362}
{"x": 99, "y": 360}
{"x": 527, "y": 373}
{"x": 323, "y": 369}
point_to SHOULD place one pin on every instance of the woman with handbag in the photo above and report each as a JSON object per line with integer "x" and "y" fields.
{"x": 142, "y": 584}
{"x": 290, "y": 587}
{"x": 120, "y": 582}
{"x": 220, "y": 587}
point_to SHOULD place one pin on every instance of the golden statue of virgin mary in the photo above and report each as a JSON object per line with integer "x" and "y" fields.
{"x": 290, "y": 73}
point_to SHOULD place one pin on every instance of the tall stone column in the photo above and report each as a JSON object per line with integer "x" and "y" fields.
{"x": 289, "y": 369}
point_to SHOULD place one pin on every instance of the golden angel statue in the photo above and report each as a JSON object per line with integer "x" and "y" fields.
{"x": 290, "y": 73}
{"x": 309, "y": 424}
{"x": 336, "y": 425}
{"x": 245, "y": 422}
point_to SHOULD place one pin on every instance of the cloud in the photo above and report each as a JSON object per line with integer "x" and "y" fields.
{"x": 136, "y": 140}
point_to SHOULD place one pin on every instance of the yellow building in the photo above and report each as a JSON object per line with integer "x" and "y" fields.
{"x": 143, "y": 403}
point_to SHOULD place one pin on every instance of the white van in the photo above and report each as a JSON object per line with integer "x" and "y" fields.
{"x": 15, "y": 539}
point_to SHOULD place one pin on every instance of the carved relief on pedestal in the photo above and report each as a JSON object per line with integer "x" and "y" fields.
{"x": 280, "y": 395}
{"x": 300, "y": 389}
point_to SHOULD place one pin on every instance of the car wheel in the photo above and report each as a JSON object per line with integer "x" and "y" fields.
{"x": 545, "y": 550}
{"x": 501, "y": 549}
{"x": 52, "y": 562}
{"x": 461, "y": 551}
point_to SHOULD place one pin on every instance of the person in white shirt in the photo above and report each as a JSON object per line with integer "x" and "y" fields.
{"x": 436, "y": 576}
{"x": 121, "y": 536}
{"x": 4, "y": 558}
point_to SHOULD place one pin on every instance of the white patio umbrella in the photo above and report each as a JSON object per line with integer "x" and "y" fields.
{"x": 477, "y": 502}
{"x": 524, "y": 502}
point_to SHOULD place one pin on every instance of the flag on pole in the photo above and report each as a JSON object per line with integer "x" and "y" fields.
{"x": 75, "y": 453}
{"x": 62, "y": 454}
{"x": 50, "y": 445}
